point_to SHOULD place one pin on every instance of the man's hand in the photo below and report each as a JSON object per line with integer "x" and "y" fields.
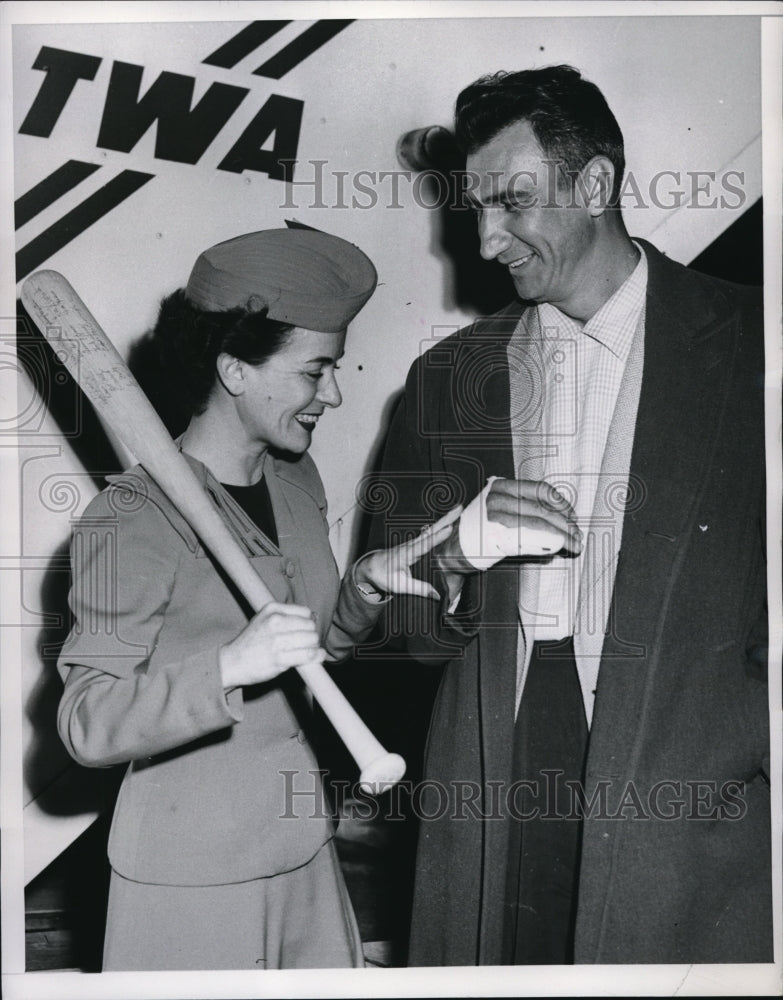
{"x": 519, "y": 505}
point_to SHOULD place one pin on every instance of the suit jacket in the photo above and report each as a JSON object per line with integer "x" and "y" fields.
{"x": 210, "y": 795}
{"x": 675, "y": 863}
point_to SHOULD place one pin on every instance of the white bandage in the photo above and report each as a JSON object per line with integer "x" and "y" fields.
{"x": 484, "y": 542}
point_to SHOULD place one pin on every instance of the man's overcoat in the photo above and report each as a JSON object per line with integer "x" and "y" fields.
{"x": 675, "y": 863}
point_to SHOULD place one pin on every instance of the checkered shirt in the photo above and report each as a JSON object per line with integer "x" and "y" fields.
{"x": 565, "y": 379}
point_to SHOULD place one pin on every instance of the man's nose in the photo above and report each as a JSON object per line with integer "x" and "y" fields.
{"x": 492, "y": 233}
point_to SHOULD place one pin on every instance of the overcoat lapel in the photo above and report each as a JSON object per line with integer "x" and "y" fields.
{"x": 686, "y": 368}
{"x": 687, "y": 363}
{"x": 604, "y": 539}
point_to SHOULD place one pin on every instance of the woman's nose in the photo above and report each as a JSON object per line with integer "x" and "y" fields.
{"x": 329, "y": 392}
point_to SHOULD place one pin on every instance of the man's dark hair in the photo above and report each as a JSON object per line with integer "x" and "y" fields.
{"x": 568, "y": 115}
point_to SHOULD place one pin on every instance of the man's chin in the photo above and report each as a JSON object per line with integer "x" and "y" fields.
{"x": 528, "y": 291}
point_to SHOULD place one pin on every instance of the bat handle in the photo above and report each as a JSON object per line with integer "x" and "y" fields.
{"x": 379, "y": 769}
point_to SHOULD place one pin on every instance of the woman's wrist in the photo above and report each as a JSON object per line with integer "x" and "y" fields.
{"x": 363, "y": 581}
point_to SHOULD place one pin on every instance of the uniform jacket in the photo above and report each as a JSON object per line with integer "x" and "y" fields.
{"x": 675, "y": 863}
{"x": 207, "y": 798}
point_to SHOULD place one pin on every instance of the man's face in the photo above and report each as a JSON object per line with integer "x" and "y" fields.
{"x": 540, "y": 231}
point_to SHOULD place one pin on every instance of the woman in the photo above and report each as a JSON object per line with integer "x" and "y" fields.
{"x": 220, "y": 846}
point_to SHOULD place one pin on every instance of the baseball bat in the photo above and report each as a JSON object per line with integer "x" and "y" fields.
{"x": 84, "y": 349}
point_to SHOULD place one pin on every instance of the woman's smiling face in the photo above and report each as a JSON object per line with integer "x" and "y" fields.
{"x": 282, "y": 398}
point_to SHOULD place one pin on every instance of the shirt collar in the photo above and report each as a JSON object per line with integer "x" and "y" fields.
{"x": 614, "y": 325}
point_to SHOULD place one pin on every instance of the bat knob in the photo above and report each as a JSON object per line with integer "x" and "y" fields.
{"x": 380, "y": 774}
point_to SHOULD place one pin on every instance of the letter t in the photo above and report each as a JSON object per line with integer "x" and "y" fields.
{"x": 62, "y": 70}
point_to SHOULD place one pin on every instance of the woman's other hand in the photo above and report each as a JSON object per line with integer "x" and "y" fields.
{"x": 280, "y": 636}
{"x": 388, "y": 571}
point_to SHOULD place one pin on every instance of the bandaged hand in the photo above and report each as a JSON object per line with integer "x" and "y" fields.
{"x": 516, "y": 517}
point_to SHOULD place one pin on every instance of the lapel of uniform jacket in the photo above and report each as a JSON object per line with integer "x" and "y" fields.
{"x": 688, "y": 346}
{"x": 299, "y": 506}
{"x": 307, "y": 569}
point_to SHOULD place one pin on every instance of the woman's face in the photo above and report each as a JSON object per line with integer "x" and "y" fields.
{"x": 283, "y": 398}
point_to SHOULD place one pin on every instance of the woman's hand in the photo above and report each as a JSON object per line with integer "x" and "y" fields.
{"x": 389, "y": 570}
{"x": 280, "y": 636}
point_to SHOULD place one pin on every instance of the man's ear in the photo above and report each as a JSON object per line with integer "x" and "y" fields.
{"x": 231, "y": 372}
{"x": 594, "y": 183}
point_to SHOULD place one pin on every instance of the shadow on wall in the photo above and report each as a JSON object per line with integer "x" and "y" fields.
{"x": 63, "y": 399}
{"x": 77, "y": 421}
{"x": 66, "y": 903}
{"x": 476, "y": 286}
{"x": 64, "y": 909}
{"x": 45, "y": 759}
{"x": 470, "y": 283}
{"x": 144, "y": 362}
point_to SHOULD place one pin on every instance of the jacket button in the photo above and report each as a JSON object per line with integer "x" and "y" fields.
{"x": 289, "y": 569}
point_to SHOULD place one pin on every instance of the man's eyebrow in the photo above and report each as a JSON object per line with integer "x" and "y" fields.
{"x": 508, "y": 197}
{"x": 494, "y": 199}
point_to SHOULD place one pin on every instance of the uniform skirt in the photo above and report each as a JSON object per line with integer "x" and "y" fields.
{"x": 302, "y": 919}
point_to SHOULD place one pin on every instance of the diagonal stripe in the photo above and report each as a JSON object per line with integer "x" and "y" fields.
{"x": 300, "y": 48}
{"x": 47, "y": 191}
{"x": 79, "y": 219}
{"x": 244, "y": 43}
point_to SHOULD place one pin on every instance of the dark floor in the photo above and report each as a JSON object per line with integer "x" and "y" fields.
{"x": 65, "y": 906}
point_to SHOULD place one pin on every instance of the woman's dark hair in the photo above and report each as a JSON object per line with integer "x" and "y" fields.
{"x": 568, "y": 115}
{"x": 188, "y": 341}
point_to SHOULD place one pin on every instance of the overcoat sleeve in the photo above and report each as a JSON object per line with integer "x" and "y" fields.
{"x": 411, "y": 471}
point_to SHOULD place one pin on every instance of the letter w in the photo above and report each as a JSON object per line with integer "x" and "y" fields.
{"x": 183, "y": 134}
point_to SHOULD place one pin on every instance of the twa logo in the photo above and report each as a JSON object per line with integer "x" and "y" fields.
{"x": 184, "y": 132}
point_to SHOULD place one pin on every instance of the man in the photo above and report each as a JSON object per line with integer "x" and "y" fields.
{"x": 597, "y": 767}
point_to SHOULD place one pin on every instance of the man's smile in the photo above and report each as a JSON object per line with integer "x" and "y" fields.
{"x": 519, "y": 261}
